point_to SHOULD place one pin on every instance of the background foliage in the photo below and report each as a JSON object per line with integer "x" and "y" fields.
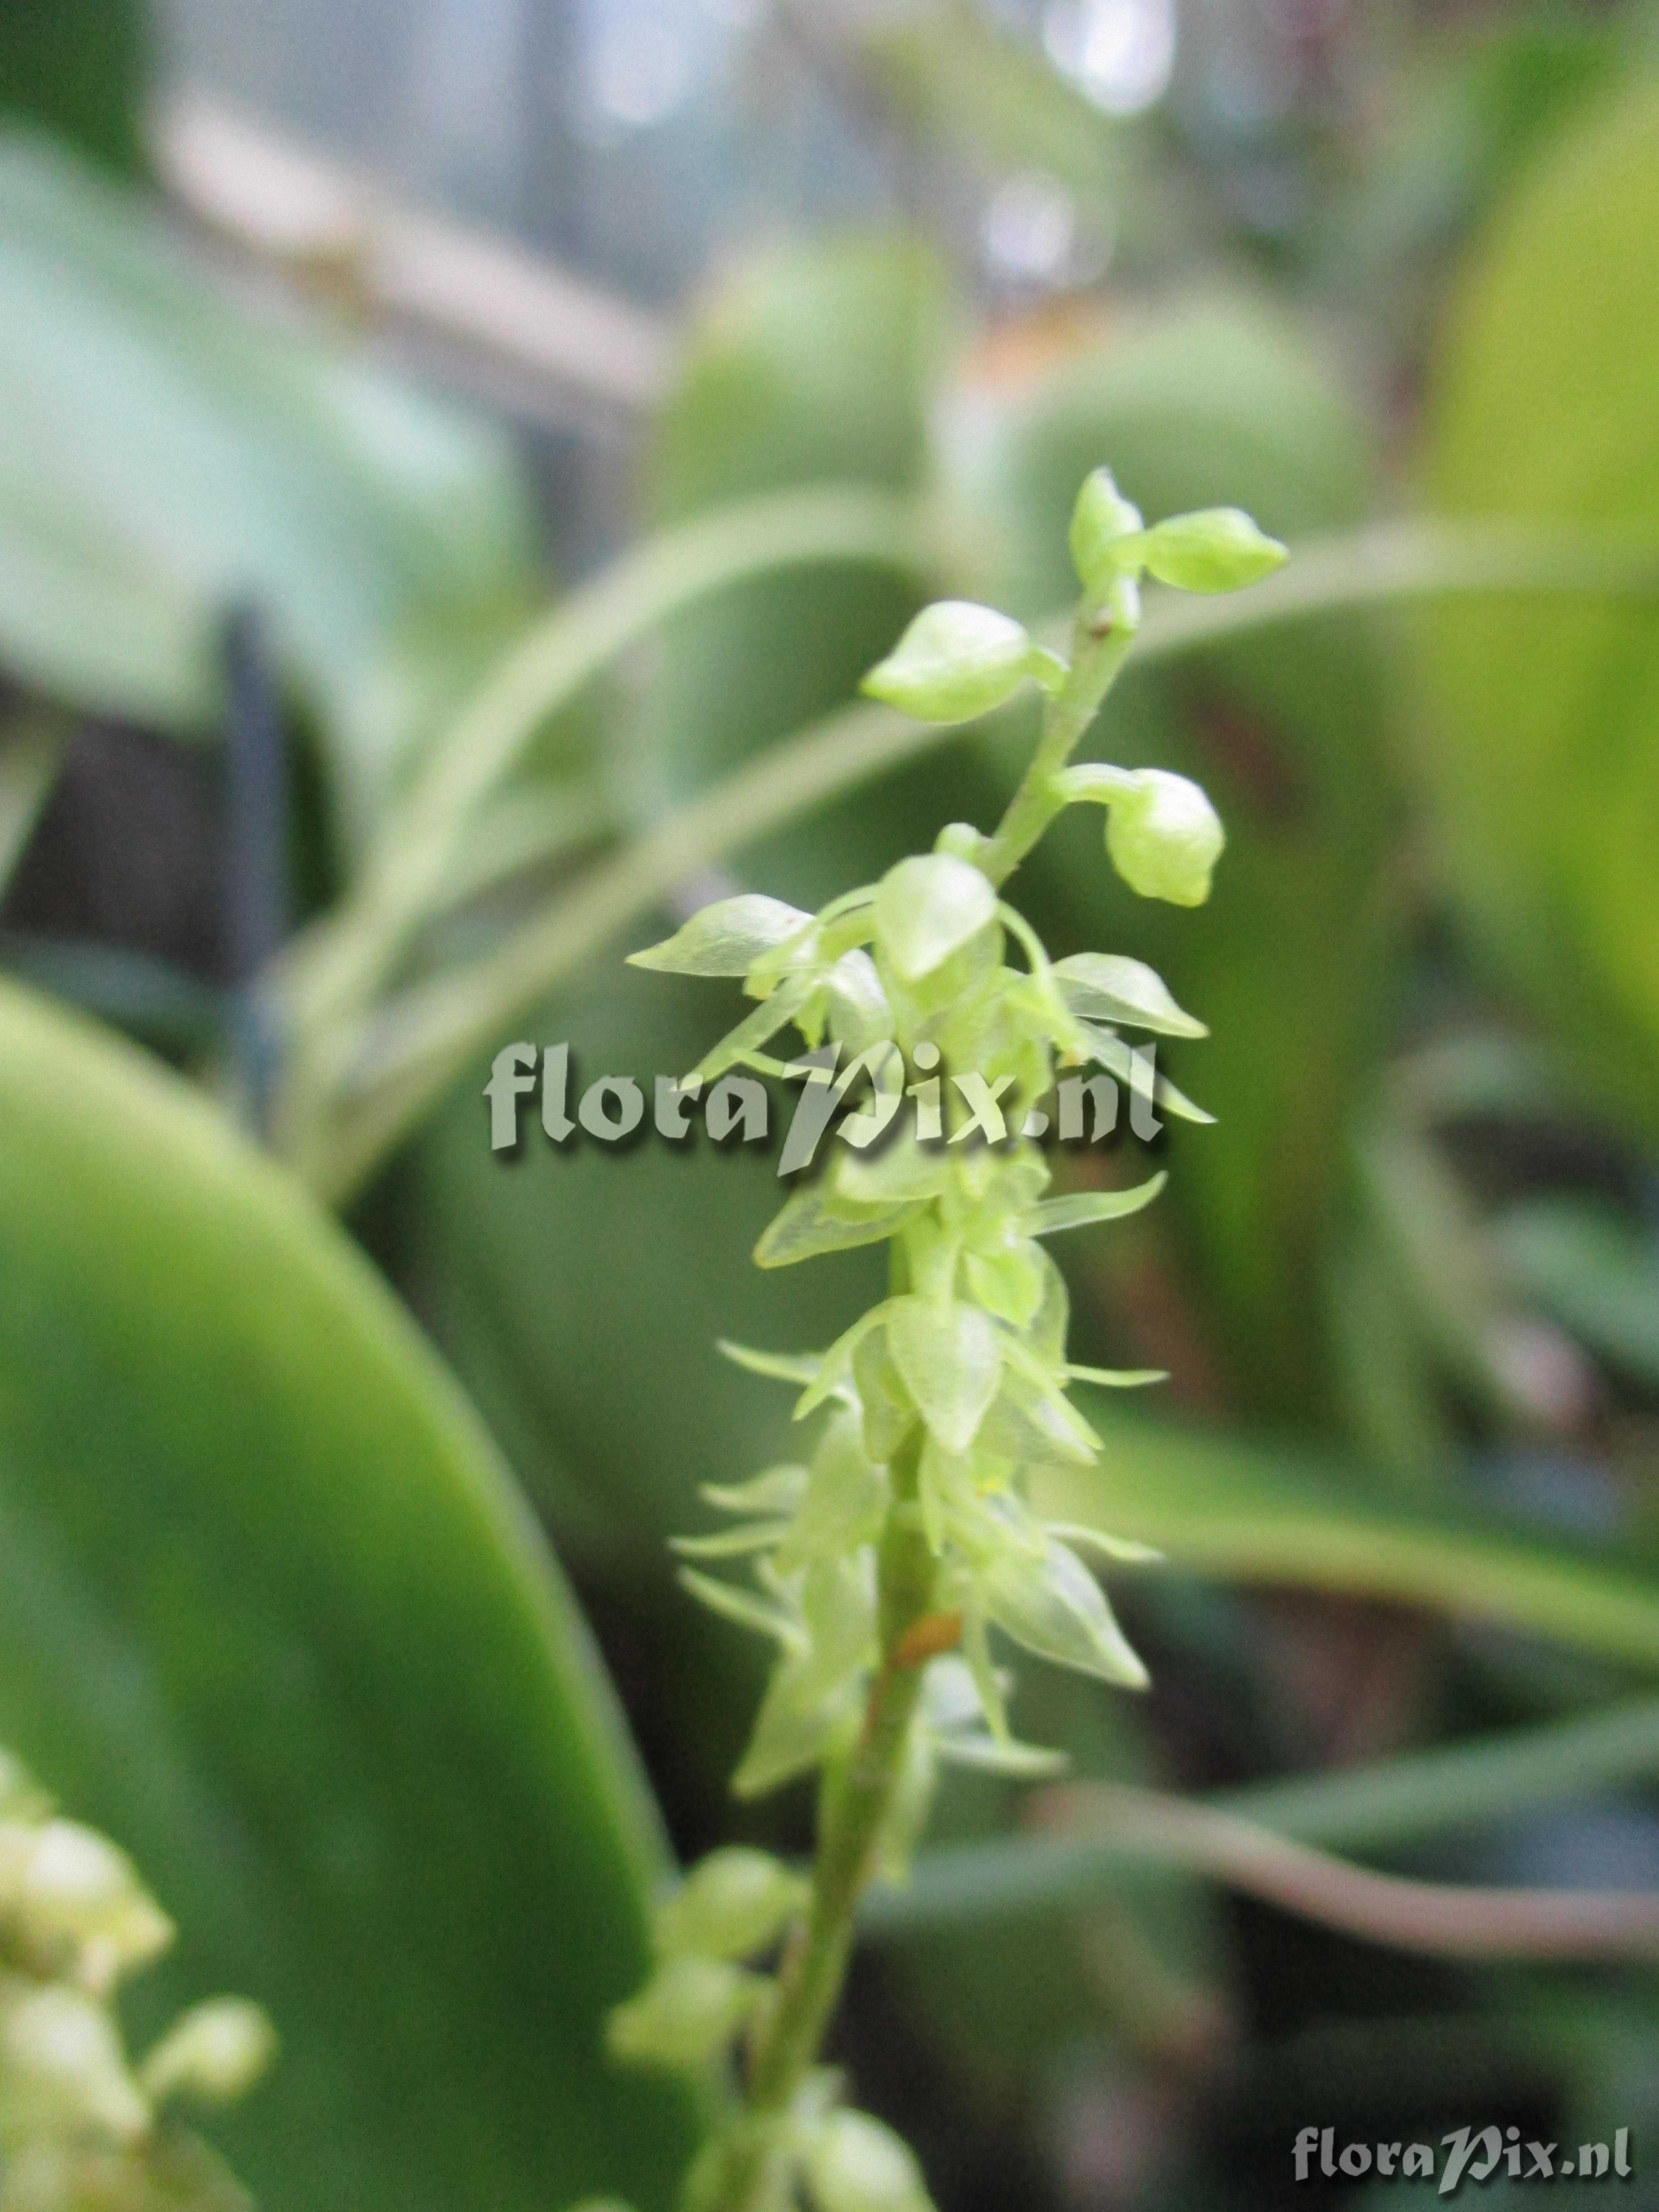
{"x": 281, "y": 1610}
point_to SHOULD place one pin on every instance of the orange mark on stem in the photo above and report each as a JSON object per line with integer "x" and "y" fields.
{"x": 925, "y": 1639}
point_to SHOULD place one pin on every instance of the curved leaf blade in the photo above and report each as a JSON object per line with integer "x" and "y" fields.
{"x": 270, "y": 1613}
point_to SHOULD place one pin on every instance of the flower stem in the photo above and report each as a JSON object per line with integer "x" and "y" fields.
{"x": 1104, "y": 635}
{"x": 857, "y": 1793}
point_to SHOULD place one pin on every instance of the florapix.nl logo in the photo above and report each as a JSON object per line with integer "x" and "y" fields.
{"x": 859, "y": 1101}
{"x": 1468, "y": 2154}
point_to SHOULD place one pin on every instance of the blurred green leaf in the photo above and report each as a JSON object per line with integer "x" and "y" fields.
{"x": 951, "y": 76}
{"x": 810, "y": 364}
{"x": 1471, "y": 112}
{"x": 33, "y": 744}
{"x": 1241, "y": 1513}
{"x": 1360, "y": 1809}
{"x": 271, "y": 1614}
{"x": 79, "y": 68}
{"x": 813, "y": 363}
{"x": 505, "y": 1268}
{"x": 1539, "y": 744}
{"x": 1594, "y": 1273}
{"x": 162, "y": 455}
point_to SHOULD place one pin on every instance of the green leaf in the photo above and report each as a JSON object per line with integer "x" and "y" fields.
{"x": 1363, "y": 1808}
{"x": 726, "y": 939}
{"x": 31, "y": 750}
{"x": 163, "y": 455}
{"x": 1109, "y": 987}
{"x": 928, "y": 907}
{"x": 271, "y": 1616}
{"x": 1238, "y": 1514}
{"x": 82, "y": 68}
{"x": 950, "y": 1355}
{"x": 1539, "y": 754}
{"x": 954, "y": 662}
{"x": 1593, "y": 1273}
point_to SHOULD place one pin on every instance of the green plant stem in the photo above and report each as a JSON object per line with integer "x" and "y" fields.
{"x": 1103, "y": 640}
{"x": 857, "y": 1794}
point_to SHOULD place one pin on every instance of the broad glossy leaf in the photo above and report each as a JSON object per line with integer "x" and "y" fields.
{"x": 271, "y": 1614}
{"x": 163, "y": 454}
{"x": 1540, "y": 742}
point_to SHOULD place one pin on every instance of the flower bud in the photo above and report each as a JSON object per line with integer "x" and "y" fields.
{"x": 928, "y": 908}
{"x": 731, "y": 1905}
{"x": 1218, "y": 549}
{"x": 62, "y": 2071}
{"x": 1101, "y": 520}
{"x": 956, "y": 660}
{"x": 76, "y": 1888}
{"x": 216, "y": 2052}
{"x": 1164, "y": 837}
{"x": 854, "y": 2164}
{"x": 687, "y": 2009}
{"x": 959, "y": 839}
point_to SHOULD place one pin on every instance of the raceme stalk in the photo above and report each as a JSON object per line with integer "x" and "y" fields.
{"x": 881, "y": 1564}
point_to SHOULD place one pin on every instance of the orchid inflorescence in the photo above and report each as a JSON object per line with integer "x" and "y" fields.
{"x": 80, "y": 2125}
{"x": 881, "y": 1566}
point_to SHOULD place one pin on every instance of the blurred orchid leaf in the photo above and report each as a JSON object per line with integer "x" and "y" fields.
{"x": 1540, "y": 742}
{"x": 163, "y": 455}
{"x": 272, "y": 1614}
